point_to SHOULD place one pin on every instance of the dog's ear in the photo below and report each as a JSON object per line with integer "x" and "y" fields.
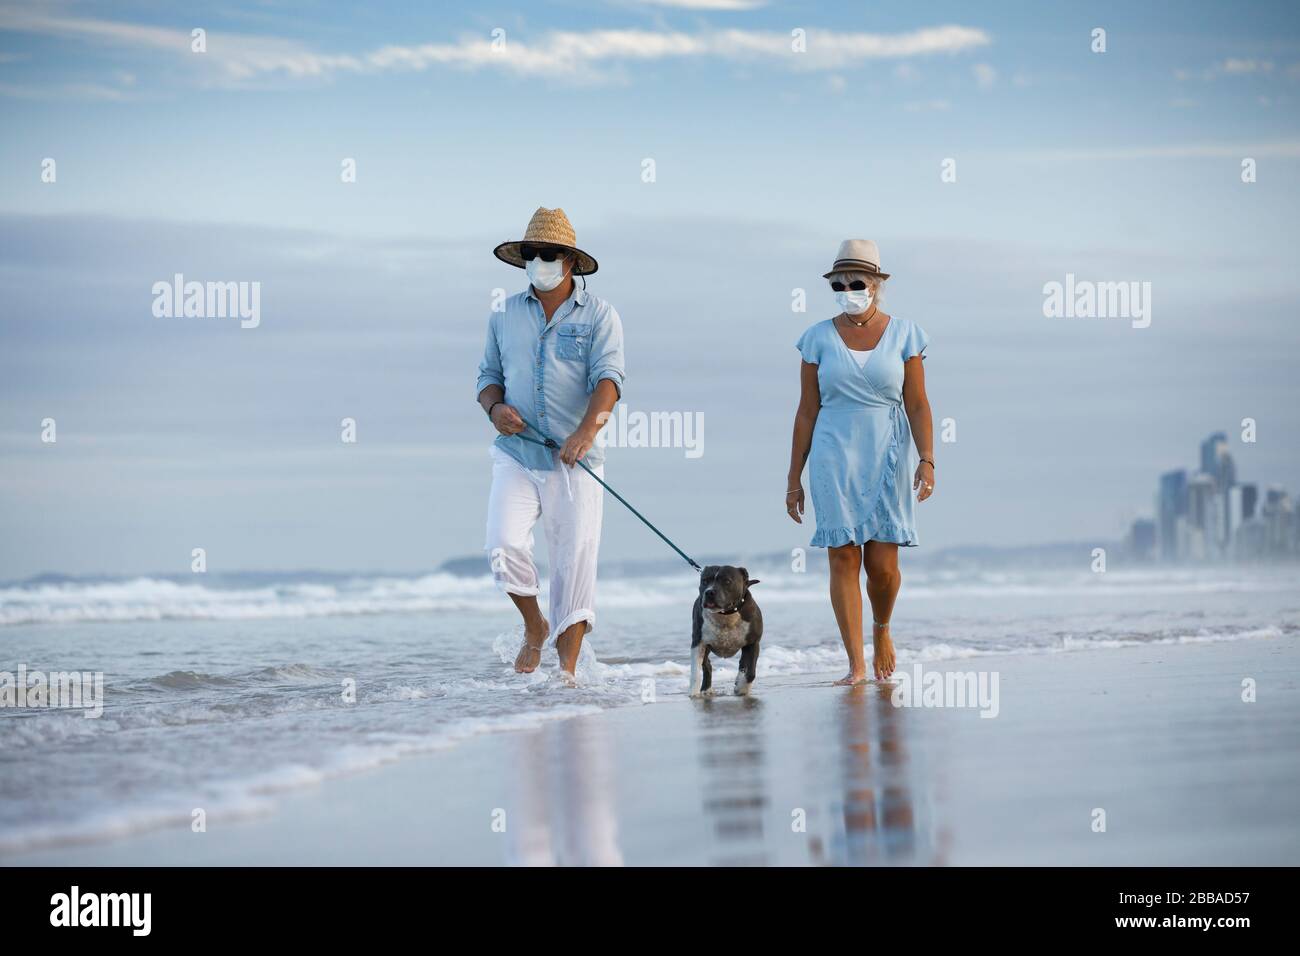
{"x": 752, "y": 582}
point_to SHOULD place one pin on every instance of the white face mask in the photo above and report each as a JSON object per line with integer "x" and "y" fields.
{"x": 854, "y": 303}
{"x": 545, "y": 276}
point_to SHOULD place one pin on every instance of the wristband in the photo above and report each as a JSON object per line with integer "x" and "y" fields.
{"x": 929, "y": 461}
{"x": 499, "y": 401}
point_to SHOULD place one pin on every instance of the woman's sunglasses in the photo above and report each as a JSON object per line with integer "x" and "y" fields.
{"x": 545, "y": 253}
{"x": 857, "y": 285}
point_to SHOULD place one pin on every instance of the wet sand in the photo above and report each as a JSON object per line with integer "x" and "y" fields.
{"x": 801, "y": 773}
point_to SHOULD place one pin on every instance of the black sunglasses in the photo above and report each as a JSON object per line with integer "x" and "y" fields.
{"x": 545, "y": 253}
{"x": 857, "y": 285}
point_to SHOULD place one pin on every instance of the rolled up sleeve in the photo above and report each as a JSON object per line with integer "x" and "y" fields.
{"x": 606, "y": 353}
{"x": 490, "y": 371}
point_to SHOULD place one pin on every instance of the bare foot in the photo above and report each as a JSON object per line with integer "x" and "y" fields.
{"x": 530, "y": 655}
{"x": 882, "y": 658}
{"x": 850, "y": 680}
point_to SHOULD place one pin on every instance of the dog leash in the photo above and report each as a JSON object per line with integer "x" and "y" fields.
{"x": 548, "y": 442}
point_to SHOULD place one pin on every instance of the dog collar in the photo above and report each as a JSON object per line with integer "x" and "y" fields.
{"x": 733, "y": 610}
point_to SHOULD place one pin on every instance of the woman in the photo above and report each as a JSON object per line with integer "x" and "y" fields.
{"x": 862, "y": 401}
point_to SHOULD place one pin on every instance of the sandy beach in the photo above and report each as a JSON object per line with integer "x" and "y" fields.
{"x": 1159, "y": 738}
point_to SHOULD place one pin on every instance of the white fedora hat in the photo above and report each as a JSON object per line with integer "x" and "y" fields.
{"x": 857, "y": 255}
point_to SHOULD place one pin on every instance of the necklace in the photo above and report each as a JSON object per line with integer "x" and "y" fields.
{"x": 861, "y": 325}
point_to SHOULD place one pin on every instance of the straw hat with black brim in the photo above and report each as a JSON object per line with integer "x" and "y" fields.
{"x": 548, "y": 227}
{"x": 857, "y": 255}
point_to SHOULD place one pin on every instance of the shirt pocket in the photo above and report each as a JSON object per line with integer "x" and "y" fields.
{"x": 574, "y": 341}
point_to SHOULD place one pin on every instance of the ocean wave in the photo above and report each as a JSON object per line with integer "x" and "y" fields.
{"x": 251, "y": 795}
{"x": 155, "y": 599}
{"x": 194, "y": 680}
{"x": 152, "y": 599}
{"x": 124, "y": 821}
{"x": 190, "y": 699}
{"x": 194, "y": 697}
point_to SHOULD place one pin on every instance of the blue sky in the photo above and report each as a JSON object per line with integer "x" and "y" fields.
{"x": 242, "y": 134}
{"x": 1123, "y": 165}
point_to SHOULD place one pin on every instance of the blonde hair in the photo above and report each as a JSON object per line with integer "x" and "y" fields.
{"x": 873, "y": 281}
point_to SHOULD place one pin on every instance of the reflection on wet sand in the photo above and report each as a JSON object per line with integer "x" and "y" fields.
{"x": 886, "y": 813}
{"x": 562, "y": 809}
{"x": 853, "y": 783}
{"x": 869, "y": 799}
{"x": 732, "y": 761}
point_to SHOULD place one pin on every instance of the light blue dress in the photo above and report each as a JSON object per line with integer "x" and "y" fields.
{"x": 860, "y": 465}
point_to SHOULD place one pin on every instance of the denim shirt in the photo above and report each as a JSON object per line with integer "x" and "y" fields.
{"x": 550, "y": 369}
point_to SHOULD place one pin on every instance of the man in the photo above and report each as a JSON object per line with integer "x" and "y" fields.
{"x": 554, "y": 358}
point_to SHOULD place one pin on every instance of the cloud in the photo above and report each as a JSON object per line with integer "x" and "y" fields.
{"x": 570, "y": 54}
{"x": 236, "y": 59}
{"x": 172, "y": 406}
{"x": 69, "y": 91}
{"x": 927, "y": 106}
{"x": 36, "y": 21}
{"x": 232, "y": 55}
{"x": 1233, "y": 66}
{"x": 985, "y": 75}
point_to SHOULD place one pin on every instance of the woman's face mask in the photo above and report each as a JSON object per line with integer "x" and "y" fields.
{"x": 545, "y": 276}
{"x": 854, "y": 303}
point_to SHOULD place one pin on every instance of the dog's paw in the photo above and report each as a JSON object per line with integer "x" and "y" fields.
{"x": 742, "y": 690}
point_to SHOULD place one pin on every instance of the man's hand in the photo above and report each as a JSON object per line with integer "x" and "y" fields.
{"x": 578, "y": 444}
{"x": 507, "y": 420}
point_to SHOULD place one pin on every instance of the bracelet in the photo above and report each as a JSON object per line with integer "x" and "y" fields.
{"x": 928, "y": 461}
{"x": 793, "y": 490}
{"x": 499, "y": 401}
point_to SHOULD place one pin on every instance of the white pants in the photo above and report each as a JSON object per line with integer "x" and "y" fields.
{"x": 570, "y": 504}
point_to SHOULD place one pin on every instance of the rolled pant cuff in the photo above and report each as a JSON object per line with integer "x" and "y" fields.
{"x": 519, "y": 590}
{"x": 572, "y": 618}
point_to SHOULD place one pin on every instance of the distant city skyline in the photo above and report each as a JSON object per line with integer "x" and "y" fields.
{"x": 1208, "y": 515}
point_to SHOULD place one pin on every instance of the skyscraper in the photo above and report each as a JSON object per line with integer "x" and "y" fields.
{"x": 1249, "y": 498}
{"x": 1211, "y": 450}
{"x": 1142, "y": 539}
{"x": 1171, "y": 509}
{"x": 1204, "y": 517}
{"x": 1216, "y": 461}
{"x": 1279, "y": 518}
